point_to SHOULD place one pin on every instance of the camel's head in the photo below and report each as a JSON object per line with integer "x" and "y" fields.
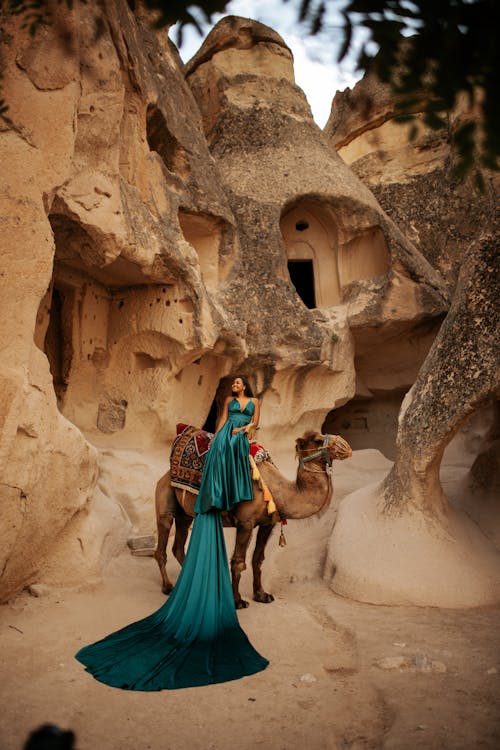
{"x": 315, "y": 448}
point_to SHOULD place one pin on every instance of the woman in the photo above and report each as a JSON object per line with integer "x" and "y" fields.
{"x": 194, "y": 638}
{"x": 226, "y": 476}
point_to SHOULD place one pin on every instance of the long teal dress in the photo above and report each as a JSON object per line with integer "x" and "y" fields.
{"x": 195, "y": 637}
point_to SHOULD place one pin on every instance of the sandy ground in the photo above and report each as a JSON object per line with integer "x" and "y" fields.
{"x": 329, "y": 684}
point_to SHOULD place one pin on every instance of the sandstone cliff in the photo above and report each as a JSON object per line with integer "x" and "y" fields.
{"x": 114, "y": 229}
{"x": 297, "y": 206}
{"x": 408, "y": 522}
{"x": 157, "y": 235}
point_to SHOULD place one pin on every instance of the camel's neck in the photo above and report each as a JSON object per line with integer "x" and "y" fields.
{"x": 307, "y": 495}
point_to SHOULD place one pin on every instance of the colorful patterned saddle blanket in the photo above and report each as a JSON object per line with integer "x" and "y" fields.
{"x": 188, "y": 454}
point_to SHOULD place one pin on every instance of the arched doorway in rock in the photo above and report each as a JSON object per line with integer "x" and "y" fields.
{"x": 328, "y": 248}
{"x": 310, "y": 234}
{"x": 302, "y": 277}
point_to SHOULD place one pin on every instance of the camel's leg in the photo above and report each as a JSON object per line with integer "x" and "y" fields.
{"x": 263, "y": 535}
{"x": 166, "y": 504}
{"x": 164, "y": 524}
{"x": 243, "y": 535}
{"x": 182, "y": 524}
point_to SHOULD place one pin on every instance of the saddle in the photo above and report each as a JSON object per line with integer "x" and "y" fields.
{"x": 188, "y": 454}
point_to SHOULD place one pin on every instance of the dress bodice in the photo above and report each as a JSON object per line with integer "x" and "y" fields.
{"x": 238, "y": 417}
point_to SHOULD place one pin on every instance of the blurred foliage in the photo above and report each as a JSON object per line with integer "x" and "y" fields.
{"x": 452, "y": 55}
{"x": 435, "y": 55}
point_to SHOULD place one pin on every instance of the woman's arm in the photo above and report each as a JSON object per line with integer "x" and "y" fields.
{"x": 254, "y": 423}
{"x": 256, "y": 414}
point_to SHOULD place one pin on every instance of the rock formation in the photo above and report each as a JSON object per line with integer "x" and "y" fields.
{"x": 303, "y": 216}
{"x": 408, "y": 524}
{"x": 162, "y": 227}
{"x": 415, "y": 184}
{"x": 413, "y": 178}
{"x": 114, "y": 228}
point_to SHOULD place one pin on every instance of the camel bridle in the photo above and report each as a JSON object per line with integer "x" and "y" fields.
{"x": 322, "y": 452}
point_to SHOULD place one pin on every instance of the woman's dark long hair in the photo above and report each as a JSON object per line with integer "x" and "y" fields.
{"x": 248, "y": 387}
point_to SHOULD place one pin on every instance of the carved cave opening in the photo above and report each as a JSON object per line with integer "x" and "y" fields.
{"x": 302, "y": 277}
{"x": 207, "y": 235}
{"x": 58, "y": 339}
{"x": 368, "y": 422}
{"x": 161, "y": 140}
{"x": 310, "y": 235}
{"x": 210, "y": 423}
{"x": 82, "y": 316}
{"x": 321, "y": 233}
{"x": 222, "y": 391}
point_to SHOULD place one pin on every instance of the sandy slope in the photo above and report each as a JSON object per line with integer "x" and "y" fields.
{"x": 325, "y": 687}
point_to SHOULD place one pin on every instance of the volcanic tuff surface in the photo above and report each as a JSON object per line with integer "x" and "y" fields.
{"x": 163, "y": 226}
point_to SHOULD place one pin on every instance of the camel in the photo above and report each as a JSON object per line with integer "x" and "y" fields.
{"x": 310, "y": 493}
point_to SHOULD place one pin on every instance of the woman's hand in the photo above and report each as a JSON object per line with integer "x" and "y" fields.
{"x": 238, "y": 429}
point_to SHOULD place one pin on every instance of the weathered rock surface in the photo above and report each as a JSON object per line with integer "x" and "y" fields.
{"x": 416, "y": 547}
{"x": 111, "y": 215}
{"x": 294, "y": 201}
{"x": 158, "y": 235}
{"x": 413, "y": 179}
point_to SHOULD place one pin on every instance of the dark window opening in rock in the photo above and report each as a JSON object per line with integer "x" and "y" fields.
{"x": 144, "y": 361}
{"x": 58, "y": 344}
{"x": 302, "y": 277}
{"x": 301, "y": 226}
{"x": 211, "y": 420}
{"x": 161, "y": 140}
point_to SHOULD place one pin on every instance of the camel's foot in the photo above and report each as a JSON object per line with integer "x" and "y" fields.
{"x": 263, "y": 597}
{"x": 241, "y": 604}
{"x": 167, "y": 588}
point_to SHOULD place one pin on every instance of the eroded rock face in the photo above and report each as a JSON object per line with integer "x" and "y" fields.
{"x": 415, "y": 546}
{"x": 414, "y": 183}
{"x": 157, "y": 237}
{"x": 413, "y": 179}
{"x": 114, "y": 226}
{"x": 302, "y": 216}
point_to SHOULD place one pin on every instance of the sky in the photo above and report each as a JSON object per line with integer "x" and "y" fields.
{"x": 316, "y": 70}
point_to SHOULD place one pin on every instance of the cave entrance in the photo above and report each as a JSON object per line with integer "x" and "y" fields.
{"x": 55, "y": 334}
{"x": 223, "y": 390}
{"x": 310, "y": 235}
{"x": 302, "y": 277}
{"x": 211, "y": 421}
{"x": 341, "y": 252}
{"x": 368, "y": 422}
